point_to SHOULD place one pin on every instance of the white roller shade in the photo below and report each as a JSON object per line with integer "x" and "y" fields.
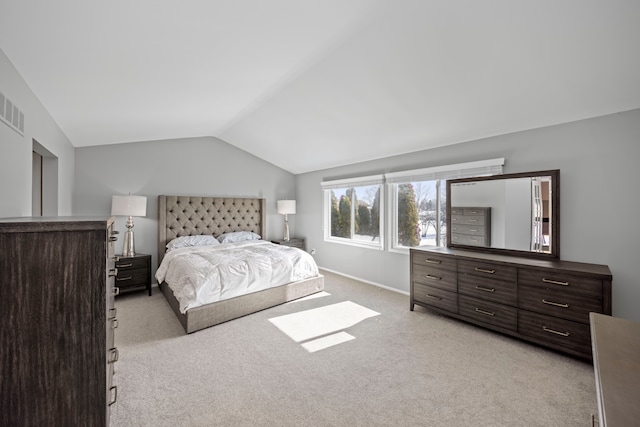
{"x": 459, "y": 170}
{"x": 353, "y": 182}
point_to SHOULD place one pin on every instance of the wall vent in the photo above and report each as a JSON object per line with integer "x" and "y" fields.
{"x": 11, "y": 115}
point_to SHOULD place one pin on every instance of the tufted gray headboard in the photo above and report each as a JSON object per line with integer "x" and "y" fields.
{"x": 193, "y": 215}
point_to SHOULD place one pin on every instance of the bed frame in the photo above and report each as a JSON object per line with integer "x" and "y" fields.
{"x": 191, "y": 215}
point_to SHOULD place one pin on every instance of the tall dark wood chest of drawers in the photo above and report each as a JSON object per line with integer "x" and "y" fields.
{"x": 471, "y": 226}
{"x": 541, "y": 301}
{"x": 56, "y": 309}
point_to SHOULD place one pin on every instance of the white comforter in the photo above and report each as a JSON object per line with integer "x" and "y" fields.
{"x": 200, "y": 275}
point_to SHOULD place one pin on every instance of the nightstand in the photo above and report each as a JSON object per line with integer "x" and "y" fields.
{"x": 295, "y": 242}
{"x": 133, "y": 273}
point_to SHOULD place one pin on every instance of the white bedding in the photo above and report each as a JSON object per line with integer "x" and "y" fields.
{"x": 201, "y": 275}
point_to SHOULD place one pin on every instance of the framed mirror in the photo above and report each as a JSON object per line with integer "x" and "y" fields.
{"x": 514, "y": 214}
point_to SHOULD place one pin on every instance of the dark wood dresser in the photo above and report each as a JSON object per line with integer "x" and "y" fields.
{"x": 57, "y": 314}
{"x": 541, "y": 301}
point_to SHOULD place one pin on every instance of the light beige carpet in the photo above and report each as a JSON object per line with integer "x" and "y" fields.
{"x": 361, "y": 359}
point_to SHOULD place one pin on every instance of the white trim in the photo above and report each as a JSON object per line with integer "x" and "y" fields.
{"x": 491, "y": 166}
{"x": 352, "y": 242}
{"x": 361, "y": 181}
{"x": 368, "y": 282}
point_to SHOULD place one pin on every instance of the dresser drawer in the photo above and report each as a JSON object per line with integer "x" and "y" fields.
{"x": 131, "y": 263}
{"x": 435, "y": 297}
{"x": 565, "y": 333}
{"x": 463, "y": 239}
{"x": 566, "y": 282}
{"x": 470, "y": 230}
{"x": 565, "y": 305}
{"x": 444, "y": 279}
{"x": 129, "y": 277}
{"x": 488, "y": 289}
{"x": 431, "y": 260}
{"x": 487, "y": 269}
{"x": 487, "y": 312}
{"x": 467, "y": 219}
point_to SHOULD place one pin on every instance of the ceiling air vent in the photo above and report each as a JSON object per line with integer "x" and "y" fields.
{"x": 11, "y": 115}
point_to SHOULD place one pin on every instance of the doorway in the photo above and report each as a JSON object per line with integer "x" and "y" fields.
{"x": 44, "y": 194}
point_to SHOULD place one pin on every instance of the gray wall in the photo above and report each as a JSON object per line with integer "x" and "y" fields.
{"x": 16, "y": 161}
{"x": 195, "y": 166}
{"x": 599, "y": 176}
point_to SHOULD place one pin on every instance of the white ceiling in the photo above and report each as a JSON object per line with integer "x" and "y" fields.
{"x": 312, "y": 84}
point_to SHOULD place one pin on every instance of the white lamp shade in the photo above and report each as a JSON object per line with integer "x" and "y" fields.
{"x": 128, "y": 205}
{"x": 286, "y": 206}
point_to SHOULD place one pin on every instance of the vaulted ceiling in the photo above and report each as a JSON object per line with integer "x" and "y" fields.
{"x": 312, "y": 84}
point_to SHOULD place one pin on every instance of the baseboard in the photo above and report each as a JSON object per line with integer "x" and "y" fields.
{"x": 368, "y": 282}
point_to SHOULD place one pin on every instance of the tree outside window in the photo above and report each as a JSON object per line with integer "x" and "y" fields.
{"x": 420, "y": 214}
{"x": 355, "y": 213}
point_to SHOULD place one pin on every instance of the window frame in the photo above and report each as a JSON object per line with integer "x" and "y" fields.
{"x": 346, "y": 184}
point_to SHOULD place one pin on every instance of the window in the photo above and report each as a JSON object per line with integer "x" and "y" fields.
{"x": 353, "y": 211}
{"x": 419, "y": 200}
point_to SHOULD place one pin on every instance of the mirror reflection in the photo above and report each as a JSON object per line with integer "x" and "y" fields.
{"x": 511, "y": 212}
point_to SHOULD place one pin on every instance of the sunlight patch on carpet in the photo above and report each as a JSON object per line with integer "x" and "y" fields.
{"x": 322, "y": 324}
{"x": 326, "y": 342}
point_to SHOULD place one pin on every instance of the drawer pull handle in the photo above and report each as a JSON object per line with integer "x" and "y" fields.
{"x": 433, "y": 297}
{"x": 557, "y": 304}
{"x": 114, "y": 394}
{"x": 564, "y": 334}
{"x": 428, "y": 276}
{"x": 116, "y": 291}
{"x": 483, "y": 270}
{"x": 113, "y": 312}
{"x": 125, "y": 265}
{"x": 474, "y": 230}
{"x": 488, "y": 313}
{"x": 122, "y": 279}
{"x": 473, "y": 220}
{"x": 115, "y": 355}
{"x": 433, "y": 261}
{"x": 481, "y": 288}
{"x": 555, "y": 282}
{"x": 114, "y": 324}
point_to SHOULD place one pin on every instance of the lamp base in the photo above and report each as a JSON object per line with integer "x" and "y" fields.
{"x": 286, "y": 228}
{"x": 128, "y": 249}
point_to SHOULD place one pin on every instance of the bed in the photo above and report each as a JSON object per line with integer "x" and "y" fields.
{"x": 213, "y": 216}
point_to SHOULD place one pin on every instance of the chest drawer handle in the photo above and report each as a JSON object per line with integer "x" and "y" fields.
{"x": 121, "y": 279}
{"x": 557, "y": 304}
{"x": 113, "y": 391}
{"x": 481, "y": 288}
{"x": 555, "y": 282}
{"x": 564, "y": 334}
{"x": 428, "y": 276}
{"x": 483, "y": 270}
{"x": 433, "y": 297}
{"x": 433, "y": 261}
{"x": 124, "y": 265}
{"x": 488, "y": 313}
{"x": 114, "y": 355}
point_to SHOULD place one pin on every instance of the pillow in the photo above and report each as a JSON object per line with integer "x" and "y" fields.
{"x": 238, "y": 236}
{"x": 185, "y": 241}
